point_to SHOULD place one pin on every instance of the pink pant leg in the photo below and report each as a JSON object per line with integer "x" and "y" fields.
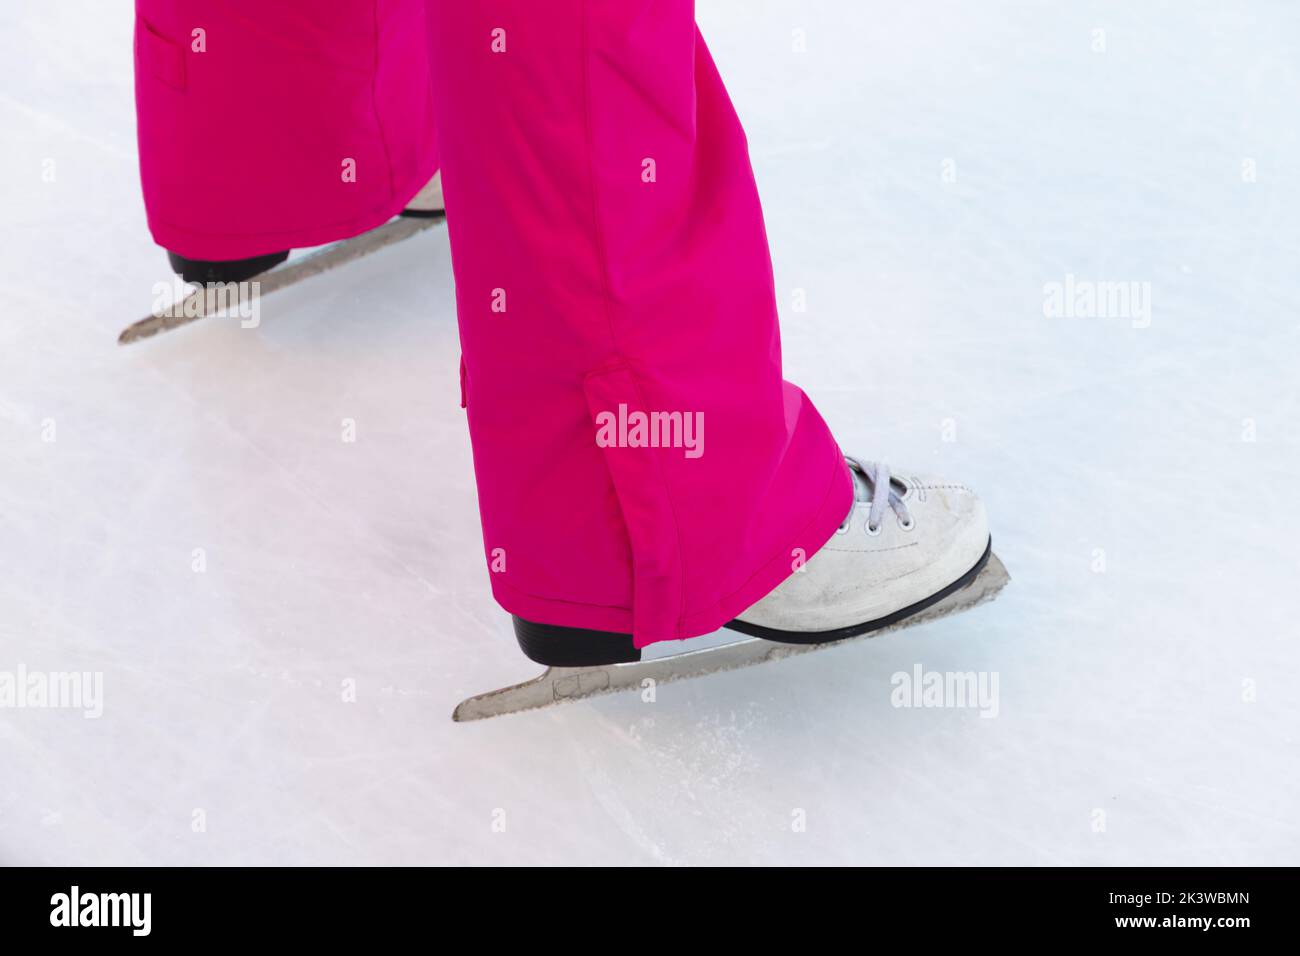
{"x": 250, "y": 113}
{"x": 610, "y": 258}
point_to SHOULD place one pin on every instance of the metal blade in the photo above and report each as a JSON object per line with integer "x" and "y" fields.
{"x": 312, "y": 264}
{"x": 558, "y": 684}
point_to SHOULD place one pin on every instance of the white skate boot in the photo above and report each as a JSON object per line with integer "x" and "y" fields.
{"x": 907, "y": 543}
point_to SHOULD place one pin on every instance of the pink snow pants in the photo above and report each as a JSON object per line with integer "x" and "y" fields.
{"x": 642, "y": 467}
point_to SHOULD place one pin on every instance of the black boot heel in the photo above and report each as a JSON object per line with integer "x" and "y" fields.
{"x": 228, "y": 270}
{"x": 557, "y": 646}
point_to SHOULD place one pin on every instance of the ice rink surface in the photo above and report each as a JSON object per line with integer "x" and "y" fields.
{"x": 929, "y": 170}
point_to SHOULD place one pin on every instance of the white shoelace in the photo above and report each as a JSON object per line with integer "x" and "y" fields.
{"x": 882, "y": 493}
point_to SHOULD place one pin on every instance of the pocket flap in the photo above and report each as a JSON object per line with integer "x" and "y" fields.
{"x": 162, "y": 57}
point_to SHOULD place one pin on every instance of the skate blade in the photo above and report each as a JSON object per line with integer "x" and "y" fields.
{"x": 193, "y": 306}
{"x": 558, "y": 684}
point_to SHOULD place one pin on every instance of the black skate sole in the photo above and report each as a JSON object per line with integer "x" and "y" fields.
{"x": 204, "y": 271}
{"x": 856, "y": 630}
{"x": 558, "y": 646}
{"x": 423, "y": 213}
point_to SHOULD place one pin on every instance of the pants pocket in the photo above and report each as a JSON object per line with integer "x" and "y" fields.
{"x": 162, "y": 58}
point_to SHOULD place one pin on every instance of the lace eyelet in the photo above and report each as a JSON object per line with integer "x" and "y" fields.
{"x": 870, "y": 532}
{"x": 842, "y": 529}
{"x": 909, "y": 525}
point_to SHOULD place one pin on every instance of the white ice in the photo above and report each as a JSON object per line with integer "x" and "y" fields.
{"x": 927, "y": 169}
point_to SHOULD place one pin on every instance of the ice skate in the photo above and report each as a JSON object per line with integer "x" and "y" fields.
{"x": 424, "y": 210}
{"x": 911, "y": 550}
